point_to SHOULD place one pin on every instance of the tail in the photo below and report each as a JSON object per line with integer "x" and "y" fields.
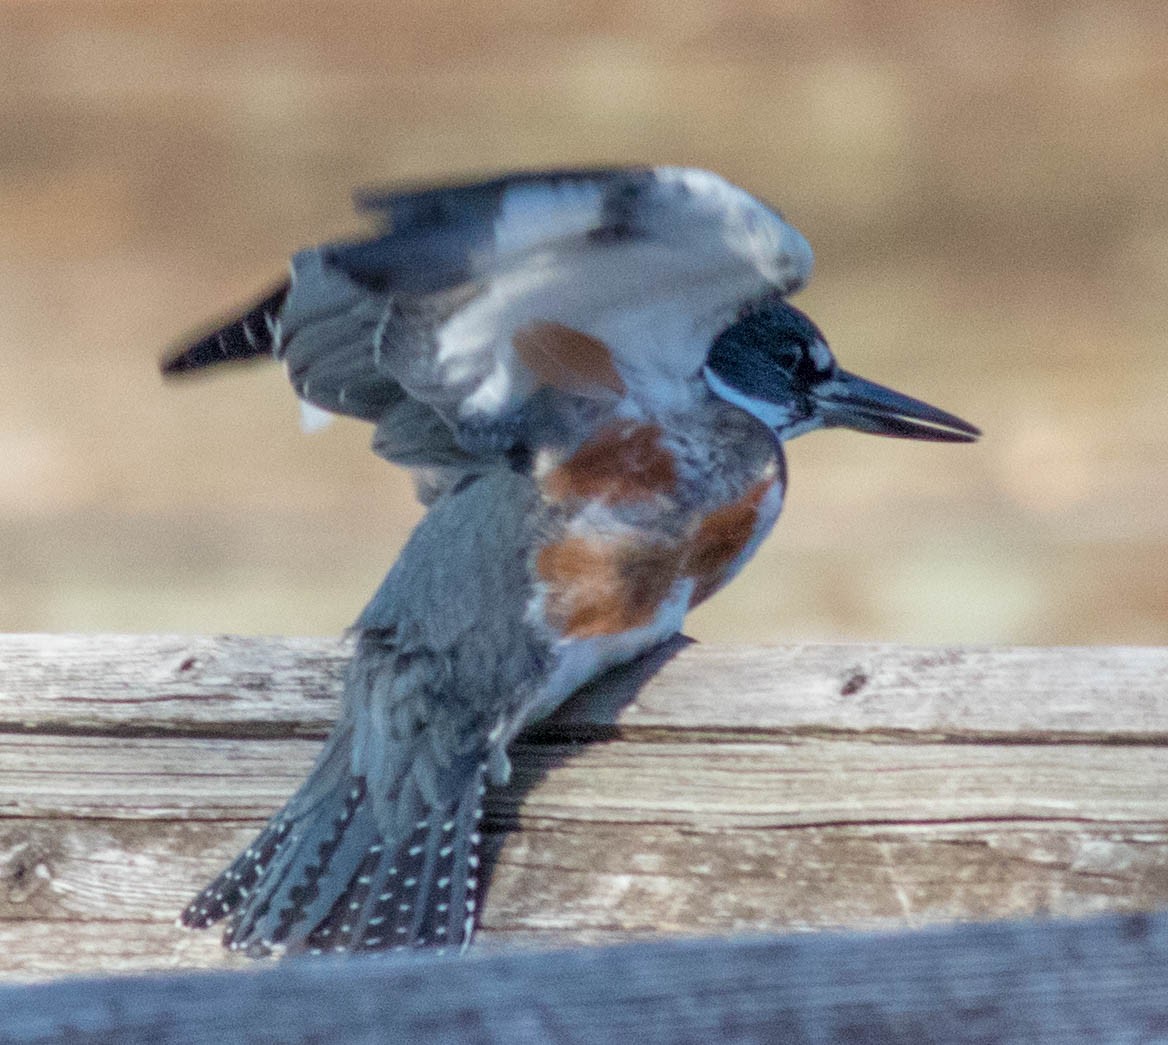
{"x": 255, "y": 333}
{"x": 385, "y": 858}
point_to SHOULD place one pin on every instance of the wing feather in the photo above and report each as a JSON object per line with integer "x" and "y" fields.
{"x": 626, "y": 273}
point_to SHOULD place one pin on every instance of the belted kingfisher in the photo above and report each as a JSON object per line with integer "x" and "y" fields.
{"x": 591, "y": 373}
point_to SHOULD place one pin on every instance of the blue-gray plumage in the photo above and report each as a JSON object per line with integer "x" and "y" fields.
{"x": 379, "y": 846}
{"x": 465, "y": 297}
{"x": 437, "y": 237}
{"x": 591, "y": 374}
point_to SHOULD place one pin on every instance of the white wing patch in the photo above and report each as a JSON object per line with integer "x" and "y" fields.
{"x": 657, "y": 306}
{"x": 747, "y": 228}
{"x": 689, "y": 250}
{"x": 534, "y": 214}
{"x": 313, "y": 418}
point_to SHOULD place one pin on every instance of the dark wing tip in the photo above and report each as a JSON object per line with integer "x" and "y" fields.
{"x": 425, "y": 207}
{"x": 208, "y": 351}
{"x": 249, "y": 336}
{"x": 377, "y": 197}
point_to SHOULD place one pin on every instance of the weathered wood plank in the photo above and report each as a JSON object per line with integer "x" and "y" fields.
{"x": 818, "y": 787}
{"x": 240, "y": 686}
{"x": 1102, "y": 981}
{"x": 619, "y": 836}
{"x": 51, "y": 949}
{"x": 170, "y": 683}
{"x": 602, "y": 877}
{"x": 706, "y": 784}
{"x": 35, "y": 950}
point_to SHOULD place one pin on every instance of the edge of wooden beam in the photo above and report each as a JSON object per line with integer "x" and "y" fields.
{"x": 271, "y": 687}
{"x": 1101, "y": 980}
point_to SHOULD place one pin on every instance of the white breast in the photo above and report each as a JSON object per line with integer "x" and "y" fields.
{"x": 579, "y": 661}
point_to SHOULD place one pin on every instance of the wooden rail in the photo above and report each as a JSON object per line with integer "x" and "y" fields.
{"x": 1104, "y": 981}
{"x": 709, "y": 791}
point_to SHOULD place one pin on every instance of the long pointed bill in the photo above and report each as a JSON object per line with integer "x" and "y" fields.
{"x": 848, "y": 401}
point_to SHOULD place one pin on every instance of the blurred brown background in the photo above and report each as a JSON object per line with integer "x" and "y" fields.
{"x": 985, "y": 185}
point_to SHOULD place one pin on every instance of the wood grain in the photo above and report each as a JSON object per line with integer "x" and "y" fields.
{"x": 707, "y": 790}
{"x": 249, "y": 686}
{"x": 1103, "y": 980}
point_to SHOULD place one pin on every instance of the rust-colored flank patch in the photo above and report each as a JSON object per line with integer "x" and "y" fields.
{"x": 719, "y": 540}
{"x": 605, "y": 587}
{"x": 568, "y": 359}
{"x": 623, "y": 463}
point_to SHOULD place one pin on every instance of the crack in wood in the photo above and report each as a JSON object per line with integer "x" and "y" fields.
{"x": 942, "y": 784}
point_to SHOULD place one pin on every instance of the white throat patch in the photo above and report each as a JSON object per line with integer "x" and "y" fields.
{"x": 773, "y": 415}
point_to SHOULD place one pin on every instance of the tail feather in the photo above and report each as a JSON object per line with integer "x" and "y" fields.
{"x": 332, "y": 364}
{"x": 233, "y": 891}
{"x": 235, "y": 885}
{"x": 327, "y": 875}
{"x": 255, "y": 333}
{"x": 318, "y": 865}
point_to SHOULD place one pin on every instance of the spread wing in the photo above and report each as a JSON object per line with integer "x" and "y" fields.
{"x": 471, "y": 297}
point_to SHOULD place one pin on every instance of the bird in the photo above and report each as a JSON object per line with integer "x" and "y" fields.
{"x": 591, "y": 374}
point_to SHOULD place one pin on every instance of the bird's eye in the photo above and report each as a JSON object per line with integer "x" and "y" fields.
{"x": 807, "y": 368}
{"x": 796, "y": 359}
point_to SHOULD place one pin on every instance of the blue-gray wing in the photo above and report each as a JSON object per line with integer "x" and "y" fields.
{"x": 435, "y": 237}
{"x": 472, "y": 297}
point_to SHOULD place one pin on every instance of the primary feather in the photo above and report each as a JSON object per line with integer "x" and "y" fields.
{"x": 474, "y": 296}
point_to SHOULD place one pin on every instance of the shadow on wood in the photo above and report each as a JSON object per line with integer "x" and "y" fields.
{"x": 589, "y": 716}
{"x": 719, "y": 790}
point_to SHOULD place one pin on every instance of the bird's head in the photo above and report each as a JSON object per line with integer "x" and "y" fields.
{"x": 774, "y": 363}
